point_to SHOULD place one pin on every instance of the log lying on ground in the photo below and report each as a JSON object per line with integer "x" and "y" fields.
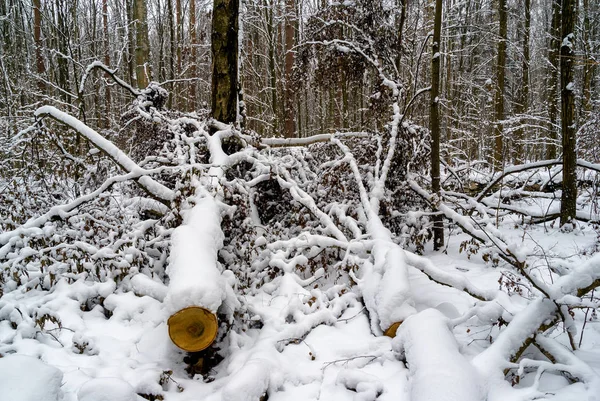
{"x": 196, "y": 288}
{"x": 386, "y": 288}
{"x": 437, "y": 369}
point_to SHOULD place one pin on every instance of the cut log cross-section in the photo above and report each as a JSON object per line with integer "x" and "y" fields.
{"x": 193, "y": 328}
{"x": 196, "y": 287}
{"x": 391, "y": 331}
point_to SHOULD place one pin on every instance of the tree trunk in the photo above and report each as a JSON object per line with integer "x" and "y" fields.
{"x": 131, "y": 41}
{"x": 37, "y": 37}
{"x": 400, "y": 37}
{"x": 272, "y": 71}
{"x": 569, "y": 184}
{"x": 434, "y": 122}
{"x": 553, "y": 78}
{"x": 522, "y": 107}
{"x": 193, "y": 73}
{"x": 500, "y": 84}
{"x": 225, "y": 60}
{"x": 173, "y": 46}
{"x": 142, "y": 45}
{"x": 106, "y": 60}
{"x": 589, "y": 67}
{"x": 289, "y": 112}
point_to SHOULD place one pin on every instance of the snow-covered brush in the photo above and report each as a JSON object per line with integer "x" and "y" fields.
{"x": 252, "y": 250}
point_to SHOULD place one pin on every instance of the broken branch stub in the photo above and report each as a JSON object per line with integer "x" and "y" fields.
{"x": 193, "y": 328}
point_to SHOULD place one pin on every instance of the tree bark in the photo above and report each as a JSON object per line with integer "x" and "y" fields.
{"x": 289, "y": 111}
{"x": 553, "y": 78}
{"x": 589, "y": 68}
{"x": 106, "y": 60}
{"x": 142, "y": 44}
{"x": 225, "y": 60}
{"x": 173, "y": 46}
{"x": 569, "y": 184}
{"x": 193, "y": 73}
{"x": 500, "y": 85}
{"x": 434, "y": 122}
{"x": 37, "y": 37}
{"x": 522, "y": 107}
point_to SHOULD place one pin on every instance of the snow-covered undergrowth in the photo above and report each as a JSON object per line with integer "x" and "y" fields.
{"x": 315, "y": 260}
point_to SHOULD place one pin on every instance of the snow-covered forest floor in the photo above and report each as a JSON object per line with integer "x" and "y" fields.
{"x": 307, "y": 255}
{"x": 126, "y": 339}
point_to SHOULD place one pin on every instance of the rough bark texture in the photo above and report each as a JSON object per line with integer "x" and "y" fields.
{"x": 402, "y": 5}
{"x": 142, "y": 44}
{"x": 500, "y": 84}
{"x": 590, "y": 64}
{"x": 434, "y": 122}
{"x": 129, "y": 4}
{"x": 524, "y": 94}
{"x": 569, "y": 185}
{"x": 37, "y": 37}
{"x": 225, "y": 60}
{"x": 106, "y": 59}
{"x": 172, "y": 45}
{"x": 553, "y": 77}
{"x": 289, "y": 111}
{"x": 193, "y": 73}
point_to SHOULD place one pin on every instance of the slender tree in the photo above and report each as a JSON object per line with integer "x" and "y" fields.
{"x": 290, "y": 31}
{"x": 192, "y": 100}
{"x": 568, "y": 204}
{"x": 37, "y": 37}
{"x": 500, "y": 85}
{"x": 522, "y": 106}
{"x": 553, "y": 72}
{"x": 434, "y": 122}
{"x": 106, "y": 58}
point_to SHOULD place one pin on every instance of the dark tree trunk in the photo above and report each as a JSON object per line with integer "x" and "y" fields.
{"x": 289, "y": 112}
{"x": 524, "y": 94}
{"x": 225, "y": 60}
{"x": 434, "y": 122}
{"x": 193, "y": 71}
{"x": 553, "y": 78}
{"x": 37, "y": 37}
{"x": 500, "y": 84}
{"x": 569, "y": 185}
{"x": 106, "y": 60}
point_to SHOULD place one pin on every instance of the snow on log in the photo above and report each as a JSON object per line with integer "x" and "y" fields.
{"x": 438, "y": 371}
{"x": 384, "y": 283}
{"x": 386, "y": 288}
{"x": 196, "y": 288}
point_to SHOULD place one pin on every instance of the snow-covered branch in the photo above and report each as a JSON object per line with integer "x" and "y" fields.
{"x": 140, "y": 175}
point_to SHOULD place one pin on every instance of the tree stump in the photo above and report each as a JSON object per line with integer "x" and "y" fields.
{"x": 193, "y": 328}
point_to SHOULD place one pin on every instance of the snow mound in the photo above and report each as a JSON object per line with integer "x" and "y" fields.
{"x": 106, "y": 389}
{"x": 24, "y": 378}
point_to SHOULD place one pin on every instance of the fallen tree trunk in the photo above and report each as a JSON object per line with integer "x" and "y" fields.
{"x": 196, "y": 288}
{"x": 437, "y": 369}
